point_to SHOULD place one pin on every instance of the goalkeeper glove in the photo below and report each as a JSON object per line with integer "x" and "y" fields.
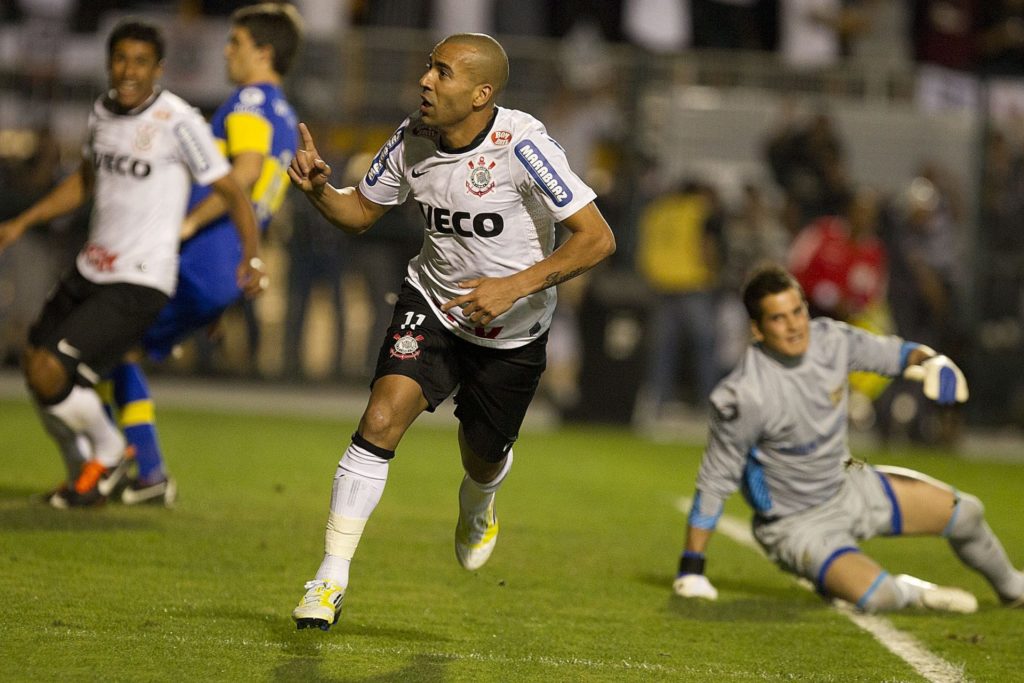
{"x": 943, "y": 381}
{"x": 691, "y": 582}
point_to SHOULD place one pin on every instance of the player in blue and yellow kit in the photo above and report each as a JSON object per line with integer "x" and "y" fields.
{"x": 257, "y": 130}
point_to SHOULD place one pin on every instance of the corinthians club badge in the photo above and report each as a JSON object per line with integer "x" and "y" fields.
{"x": 480, "y": 181}
{"x": 406, "y": 346}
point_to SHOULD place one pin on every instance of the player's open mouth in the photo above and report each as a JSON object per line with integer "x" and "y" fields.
{"x": 127, "y": 90}
{"x": 424, "y": 105}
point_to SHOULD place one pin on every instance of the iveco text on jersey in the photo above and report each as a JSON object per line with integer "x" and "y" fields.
{"x": 446, "y": 221}
{"x": 122, "y": 164}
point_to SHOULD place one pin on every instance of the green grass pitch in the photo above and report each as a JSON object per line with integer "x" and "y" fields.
{"x": 578, "y": 588}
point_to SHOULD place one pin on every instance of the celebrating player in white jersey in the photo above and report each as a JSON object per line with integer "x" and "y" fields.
{"x": 477, "y": 302}
{"x": 145, "y": 147}
{"x": 779, "y": 433}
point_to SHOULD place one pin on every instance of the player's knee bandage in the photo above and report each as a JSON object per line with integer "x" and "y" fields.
{"x": 343, "y": 534}
{"x": 884, "y": 595}
{"x": 358, "y": 485}
{"x": 968, "y": 517}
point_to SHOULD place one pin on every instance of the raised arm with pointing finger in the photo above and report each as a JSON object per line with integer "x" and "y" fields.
{"x": 477, "y": 301}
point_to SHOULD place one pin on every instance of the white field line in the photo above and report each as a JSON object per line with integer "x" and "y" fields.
{"x": 929, "y": 665}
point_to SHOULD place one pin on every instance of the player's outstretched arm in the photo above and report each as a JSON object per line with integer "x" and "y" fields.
{"x": 345, "y": 208}
{"x": 590, "y": 242}
{"x": 245, "y": 169}
{"x": 251, "y": 278}
{"x": 69, "y": 194}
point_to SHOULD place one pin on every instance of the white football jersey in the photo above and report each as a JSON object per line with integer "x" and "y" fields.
{"x": 144, "y": 163}
{"x": 489, "y": 211}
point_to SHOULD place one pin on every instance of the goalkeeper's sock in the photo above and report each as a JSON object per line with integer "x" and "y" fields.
{"x": 138, "y": 420}
{"x": 977, "y": 546}
{"x": 358, "y": 485}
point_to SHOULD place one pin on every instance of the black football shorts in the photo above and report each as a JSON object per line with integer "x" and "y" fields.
{"x": 90, "y": 326}
{"x": 495, "y": 386}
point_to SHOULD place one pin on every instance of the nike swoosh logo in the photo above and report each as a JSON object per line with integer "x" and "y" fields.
{"x": 417, "y": 175}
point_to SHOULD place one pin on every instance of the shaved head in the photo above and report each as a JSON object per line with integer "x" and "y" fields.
{"x": 485, "y": 57}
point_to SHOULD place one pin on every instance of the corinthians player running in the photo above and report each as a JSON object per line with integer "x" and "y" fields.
{"x": 477, "y": 302}
{"x": 145, "y": 146}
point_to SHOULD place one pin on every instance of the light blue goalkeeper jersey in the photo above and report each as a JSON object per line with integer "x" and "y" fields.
{"x": 779, "y": 425}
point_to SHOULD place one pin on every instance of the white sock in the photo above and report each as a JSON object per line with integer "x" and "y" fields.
{"x": 474, "y": 497}
{"x": 908, "y": 589}
{"x": 358, "y": 485}
{"x": 976, "y": 545}
{"x": 82, "y": 412}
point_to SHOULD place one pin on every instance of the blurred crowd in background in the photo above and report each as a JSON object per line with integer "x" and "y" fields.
{"x": 875, "y": 147}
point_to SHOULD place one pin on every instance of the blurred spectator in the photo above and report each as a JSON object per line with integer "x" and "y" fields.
{"x": 808, "y": 162}
{"x": 842, "y": 264}
{"x": 397, "y": 13}
{"x": 734, "y": 24}
{"x": 816, "y": 34}
{"x": 10, "y": 11}
{"x": 605, "y": 14}
{"x": 462, "y": 16}
{"x": 927, "y": 280}
{"x": 1002, "y": 196}
{"x": 678, "y": 255}
{"x": 521, "y": 18}
{"x": 316, "y": 256}
{"x": 885, "y": 42}
{"x": 584, "y": 112}
{"x": 753, "y": 235}
{"x": 660, "y": 26}
{"x": 840, "y": 261}
{"x": 945, "y": 38}
{"x": 1001, "y": 41}
{"x": 926, "y": 274}
{"x": 30, "y": 267}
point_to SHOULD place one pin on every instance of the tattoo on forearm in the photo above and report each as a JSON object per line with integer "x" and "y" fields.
{"x": 557, "y": 277}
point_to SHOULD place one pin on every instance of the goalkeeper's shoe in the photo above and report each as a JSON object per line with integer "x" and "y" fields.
{"x": 161, "y": 493}
{"x": 320, "y": 606}
{"x": 96, "y": 482}
{"x": 694, "y": 586}
{"x": 475, "y": 537}
{"x": 941, "y": 598}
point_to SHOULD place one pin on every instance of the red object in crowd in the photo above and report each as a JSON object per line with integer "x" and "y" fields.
{"x": 840, "y": 276}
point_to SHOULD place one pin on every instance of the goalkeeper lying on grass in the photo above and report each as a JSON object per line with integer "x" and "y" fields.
{"x": 779, "y": 433}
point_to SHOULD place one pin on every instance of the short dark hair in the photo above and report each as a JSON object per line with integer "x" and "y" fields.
{"x": 278, "y": 25}
{"x": 765, "y": 281}
{"x": 133, "y": 29}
